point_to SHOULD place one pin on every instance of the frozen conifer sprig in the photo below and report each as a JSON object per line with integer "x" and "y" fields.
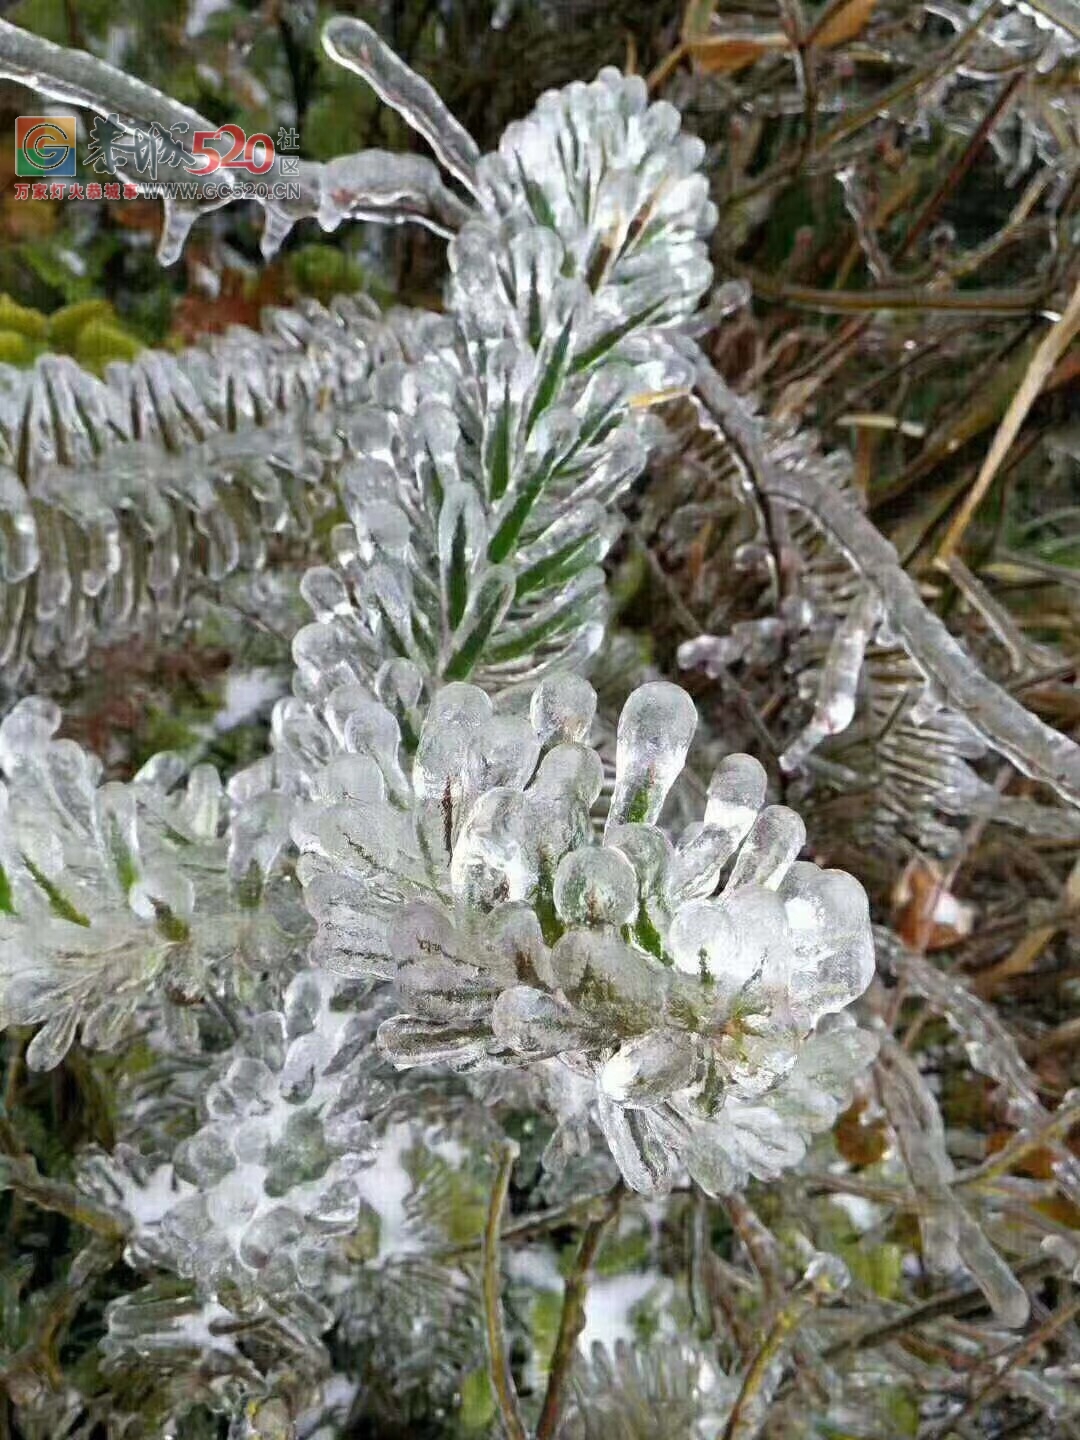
{"x": 117, "y": 899}
{"x": 693, "y": 988}
{"x": 254, "y": 1202}
{"x": 482, "y": 503}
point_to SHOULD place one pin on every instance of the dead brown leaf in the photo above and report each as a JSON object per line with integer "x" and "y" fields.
{"x": 727, "y": 54}
{"x": 847, "y": 22}
{"x": 926, "y": 914}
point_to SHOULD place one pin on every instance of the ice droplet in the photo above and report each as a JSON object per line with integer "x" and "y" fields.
{"x": 655, "y": 729}
{"x": 736, "y": 794}
{"x": 775, "y": 838}
{"x": 596, "y": 886}
{"x": 562, "y": 710}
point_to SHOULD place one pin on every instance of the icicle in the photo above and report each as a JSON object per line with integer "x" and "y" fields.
{"x": 369, "y": 186}
{"x": 835, "y": 707}
{"x": 357, "y": 47}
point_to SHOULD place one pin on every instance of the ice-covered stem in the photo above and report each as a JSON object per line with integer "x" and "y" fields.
{"x": 952, "y": 679}
{"x": 951, "y": 1236}
{"x": 572, "y": 1318}
{"x": 19, "y": 1173}
{"x": 993, "y": 1052}
{"x": 502, "y": 1381}
{"x": 369, "y": 185}
{"x": 357, "y": 47}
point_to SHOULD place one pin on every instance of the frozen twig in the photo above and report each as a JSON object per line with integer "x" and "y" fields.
{"x": 572, "y": 1319}
{"x": 952, "y": 679}
{"x": 371, "y": 185}
{"x": 502, "y": 1381}
{"x": 967, "y": 1300}
{"x": 824, "y": 1277}
{"x": 950, "y": 1235}
{"x": 20, "y": 1174}
{"x": 1049, "y": 351}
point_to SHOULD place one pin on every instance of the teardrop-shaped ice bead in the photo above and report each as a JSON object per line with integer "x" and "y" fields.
{"x": 325, "y": 592}
{"x": 768, "y": 852}
{"x": 573, "y": 772}
{"x": 456, "y": 715}
{"x": 27, "y": 727}
{"x": 832, "y": 943}
{"x": 399, "y": 684}
{"x": 203, "y": 801}
{"x": 649, "y": 851}
{"x": 655, "y": 729}
{"x": 701, "y": 939}
{"x": 504, "y": 753}
{"x": 596, "y": 886}
{"x": 562, "y": 710}
{"x": 117, "y": 834}
{"x": 257, "y": 836}
{"x": 165, "y": 896}
{"x": 736, "y": 794}
{"x": 534, "y": 1024}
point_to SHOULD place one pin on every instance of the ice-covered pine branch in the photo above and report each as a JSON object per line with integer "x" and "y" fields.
{"x": 484, "y": 501}
{"x": 118, "y": 496}
{"x": 480, "y": 478}
{"x": 698, "y": 1030}
{"x": 126, "y": 905}
{"x": 528, "y": 410}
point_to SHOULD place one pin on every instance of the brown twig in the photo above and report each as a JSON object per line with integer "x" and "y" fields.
{"x": 857, "y": 118}
{"x": 1047, "y": 353}
{"x": 1021, "y": 300}
{"x": 502, "y": 1382}
{"x": 1019, "y": 1355}
{"x": 957, "y": 172}
{"x": 572, "y": 1320}
{"x": 760, "y": 1246}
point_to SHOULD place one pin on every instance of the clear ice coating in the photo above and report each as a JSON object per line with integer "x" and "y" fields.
{"x": 370, "y": 185}
{"x": 115, "y": 899}
{"x": 501, "y": 450}
{"x": 120, "y": 495}
{"x": 256, "y": 1200}
{"x": 508, "y": 434}
{"x": 707, "y": 999}
{"x": 432, "y": 781}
